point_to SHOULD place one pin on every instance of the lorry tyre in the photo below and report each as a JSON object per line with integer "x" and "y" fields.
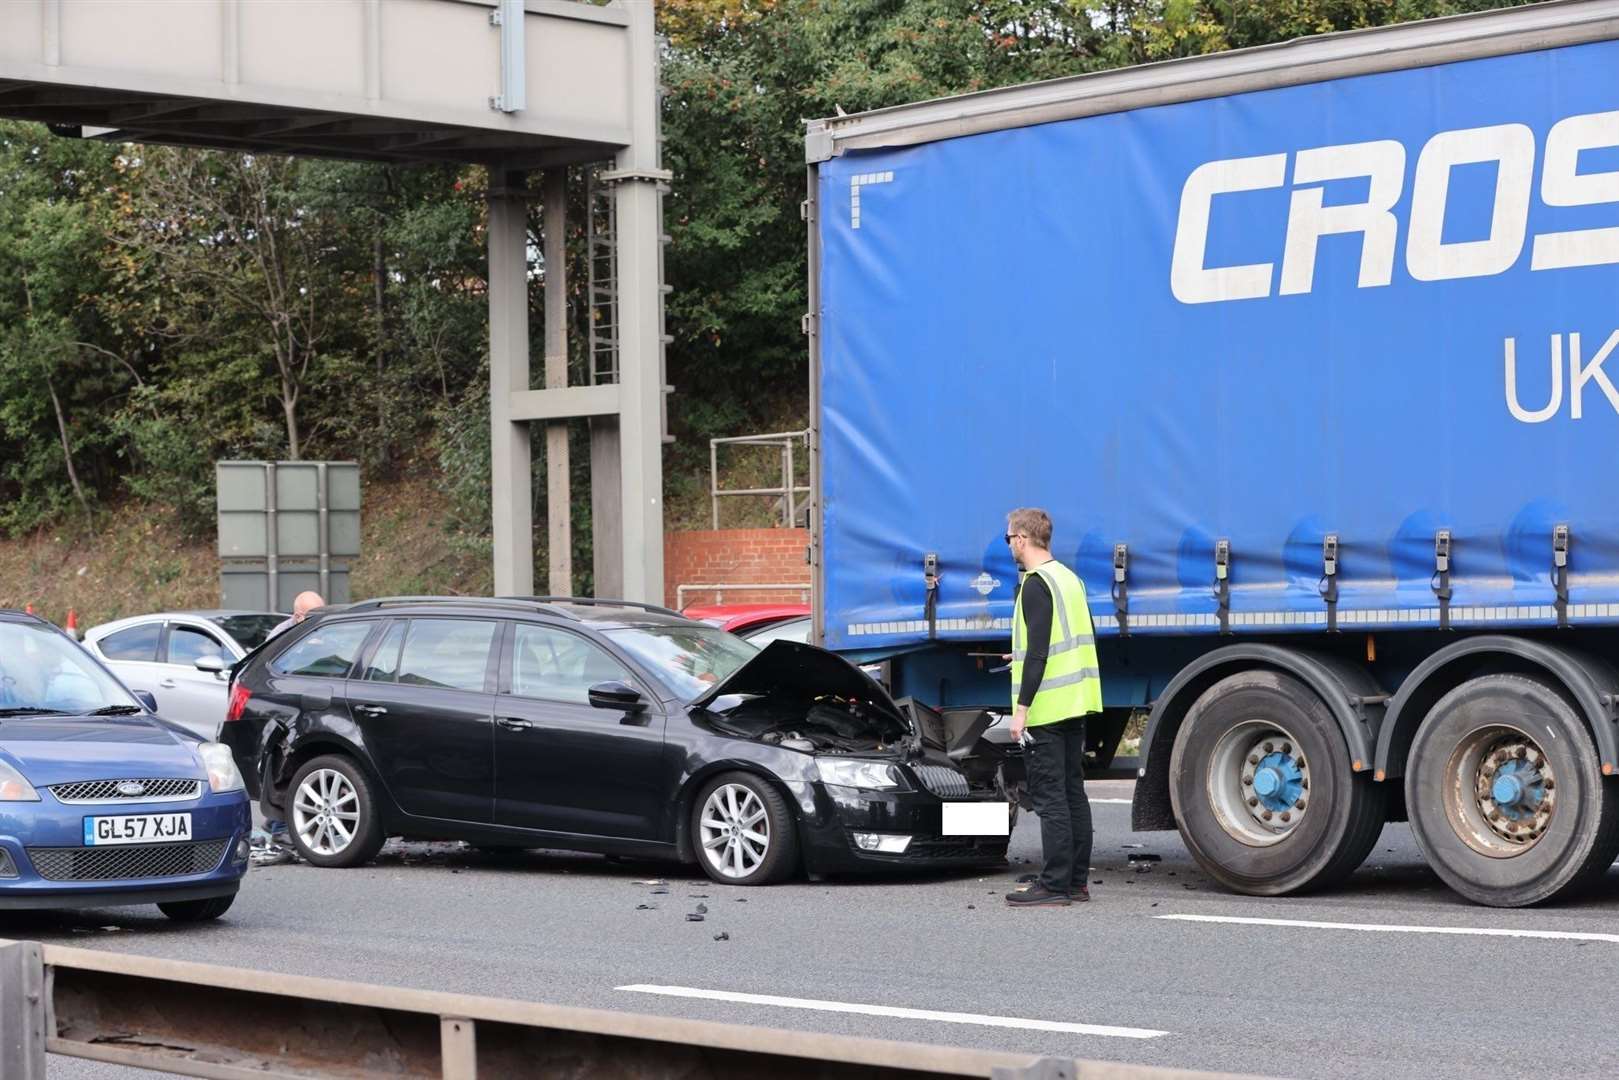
{"x": 1506, "y": 793}
{"x": 1262, "y": 790}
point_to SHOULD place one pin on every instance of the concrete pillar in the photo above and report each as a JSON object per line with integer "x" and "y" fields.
{"x": 639, "y": 229}
{"x": 511, "y": 464}
{"x": 558, "y": 491}
{"x": 606, "y": 510}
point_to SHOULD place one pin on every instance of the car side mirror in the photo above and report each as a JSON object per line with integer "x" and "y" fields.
{"x": 213, "y": 663}
{"x": 145, "y": 697}
{"x": 616, "y": 695}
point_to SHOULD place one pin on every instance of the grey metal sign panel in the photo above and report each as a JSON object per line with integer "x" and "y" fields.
{"x": 282, "y": 525}
{"x": 246, "y": 586}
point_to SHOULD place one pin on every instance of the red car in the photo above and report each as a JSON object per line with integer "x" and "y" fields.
{"x": 740, "y": 618}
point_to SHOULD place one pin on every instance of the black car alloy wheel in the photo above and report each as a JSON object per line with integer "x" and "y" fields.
{"x": 332, "y": 814}
{"x": 743, "y": 831}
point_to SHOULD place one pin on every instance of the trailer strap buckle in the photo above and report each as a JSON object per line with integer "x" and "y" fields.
{"x": 930, "y": 606}
{"x": 1222, "y": 582}
{"x": 1121, "y": 588}
{"x": 1560, "y": 540}
{"x": 1440, "y": 582}
{"x": 1329, "y": 579}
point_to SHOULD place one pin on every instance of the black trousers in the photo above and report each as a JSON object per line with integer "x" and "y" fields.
{"x": 1056, "y": 778}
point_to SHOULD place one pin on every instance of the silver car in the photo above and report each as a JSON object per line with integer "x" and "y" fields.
{"x": 181, "y": 657}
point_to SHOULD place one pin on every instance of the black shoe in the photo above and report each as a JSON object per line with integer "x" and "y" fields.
{"x": 1082, "y": 894}
{"x": 1037, "y": 895}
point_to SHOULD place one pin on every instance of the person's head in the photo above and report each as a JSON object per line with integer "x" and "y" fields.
{"x": 1028, "y": 533}
{"x": 304, "y": 603}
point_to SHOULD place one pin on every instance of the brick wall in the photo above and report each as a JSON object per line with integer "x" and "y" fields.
{"x": 733, "y": 557}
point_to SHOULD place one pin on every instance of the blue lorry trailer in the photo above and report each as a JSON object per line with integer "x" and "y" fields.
{"x": 1312, "y": 352}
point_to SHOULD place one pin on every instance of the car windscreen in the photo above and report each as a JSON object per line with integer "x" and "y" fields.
{"x": 250, "y": 631}
{"x": 688, "y": 660}
{"x": 43, "y": 672}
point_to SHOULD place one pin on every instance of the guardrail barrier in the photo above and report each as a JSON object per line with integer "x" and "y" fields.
{"x": 236, "y": 1024}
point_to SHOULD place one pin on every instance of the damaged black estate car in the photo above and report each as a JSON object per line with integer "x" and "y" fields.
{"x": 607, "y": 727}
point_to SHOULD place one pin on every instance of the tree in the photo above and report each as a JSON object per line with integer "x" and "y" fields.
{"x": 54, "y": 362}
{"x": 239, "y": 251}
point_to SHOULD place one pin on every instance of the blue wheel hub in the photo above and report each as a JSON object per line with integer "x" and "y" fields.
{"x": 1514, "y": 789}
{"x": 1278, "y": 781}
{"x": 1518, "y": 790}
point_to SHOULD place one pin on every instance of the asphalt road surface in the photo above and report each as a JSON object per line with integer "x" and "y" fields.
{"x": 1159, "y": 952}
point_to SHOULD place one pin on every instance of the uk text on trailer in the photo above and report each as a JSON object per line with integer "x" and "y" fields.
{"x": 1307, "y": 350}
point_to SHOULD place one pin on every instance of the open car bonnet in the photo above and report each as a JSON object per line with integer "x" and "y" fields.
{"x": 793, "y": 669}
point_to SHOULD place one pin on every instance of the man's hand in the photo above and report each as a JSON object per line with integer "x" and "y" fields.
{"x": 1020, "y": 721}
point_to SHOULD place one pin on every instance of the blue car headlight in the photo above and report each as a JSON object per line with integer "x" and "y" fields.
{"x": 222, "y": 772}
{"x": 14, "y": 787}
{"x": 869, "y": 775}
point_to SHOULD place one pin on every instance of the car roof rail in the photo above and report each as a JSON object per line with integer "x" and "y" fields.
{"x": 510, "y": 603}
{"x": 593, "y": 601}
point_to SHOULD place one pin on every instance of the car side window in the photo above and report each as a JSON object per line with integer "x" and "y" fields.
{"x": 136, "y": 643}
{"x": 384, "y": 665}
{"x": 187, "y": 645}
{"x": 554, "y": 665}
{"x": 451, "y": 654}
{"x": 329, "y": 651}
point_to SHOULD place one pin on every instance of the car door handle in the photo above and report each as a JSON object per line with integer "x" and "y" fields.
{"x": 371, "y": 710}
{"x": 511, "y": 723}
{"x": 167, "y": 684}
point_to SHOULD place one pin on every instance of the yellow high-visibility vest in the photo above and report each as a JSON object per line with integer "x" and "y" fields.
{"x": 1072, "y": 685}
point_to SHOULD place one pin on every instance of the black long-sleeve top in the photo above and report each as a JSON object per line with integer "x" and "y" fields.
{"x": 1035, "y": 596}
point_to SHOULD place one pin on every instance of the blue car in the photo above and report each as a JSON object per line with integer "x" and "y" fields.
{"x": 102, "y": 803}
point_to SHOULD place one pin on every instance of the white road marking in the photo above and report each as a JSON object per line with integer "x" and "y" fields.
{"x": 1115, "y": 802}
{"x": 1465, "y": 931}
{"x": 815, "y": 1005}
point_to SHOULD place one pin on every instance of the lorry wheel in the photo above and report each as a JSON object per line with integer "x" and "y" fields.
{"x": 1506, "y": 795}
{"x": 1262, "y": 789}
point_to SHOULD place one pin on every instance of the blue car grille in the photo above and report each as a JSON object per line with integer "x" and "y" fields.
{"x": 124, "y": 862}
{"x": 106, "y": 791}
{"x": 8, "y": 869}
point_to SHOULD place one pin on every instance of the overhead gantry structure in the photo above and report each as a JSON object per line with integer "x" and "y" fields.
{"x": 517, "y": 85}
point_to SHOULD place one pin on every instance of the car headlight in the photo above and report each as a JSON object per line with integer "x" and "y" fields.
{"x": 13, "y": 787}
{"x": 223, "y": 775}
{"x": 871, "y": 775}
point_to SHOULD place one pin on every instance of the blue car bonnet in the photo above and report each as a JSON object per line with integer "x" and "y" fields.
{"x": 57, "y": 749}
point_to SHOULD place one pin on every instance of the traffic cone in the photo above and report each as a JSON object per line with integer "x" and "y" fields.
{"x": 28, "y": 609}
{"x": 72, "y": 624}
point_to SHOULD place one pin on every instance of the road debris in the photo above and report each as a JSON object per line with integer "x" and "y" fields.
{"x": 722, "y": 936}
{"x": 1146, "y": 857}
{"x": 694, "y": 917}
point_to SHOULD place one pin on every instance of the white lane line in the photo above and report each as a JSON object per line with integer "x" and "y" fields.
{"x": 1115, "y": 802}
{"x": 1379, "y": 928}
{"x": 979, "y": 1019}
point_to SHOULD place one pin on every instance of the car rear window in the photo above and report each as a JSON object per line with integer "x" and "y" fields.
{"x": 250, "y": 631}
{"x": 328, "y": 651}
{"x": 136, "y": 643}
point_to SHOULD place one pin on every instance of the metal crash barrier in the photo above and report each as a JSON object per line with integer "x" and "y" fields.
{"x": 234, "y": 1024}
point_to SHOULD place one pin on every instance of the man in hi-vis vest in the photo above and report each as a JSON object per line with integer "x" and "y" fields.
{"x": 1055, "y": 684}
